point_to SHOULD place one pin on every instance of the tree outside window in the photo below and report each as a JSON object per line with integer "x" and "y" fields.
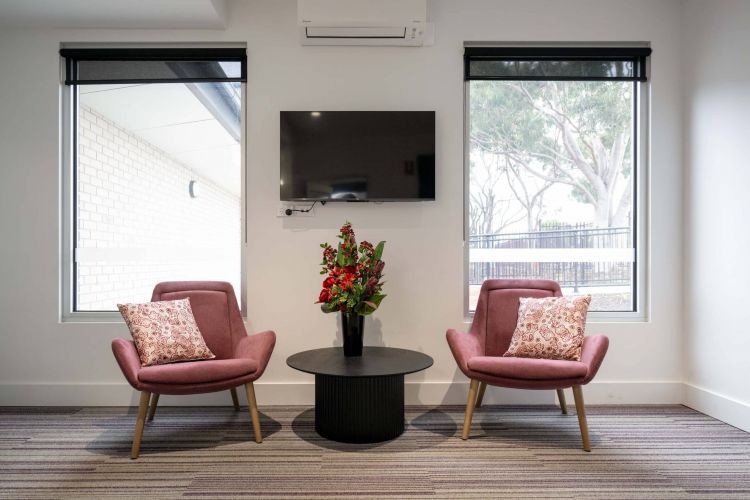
{"x": 551, "y": 186}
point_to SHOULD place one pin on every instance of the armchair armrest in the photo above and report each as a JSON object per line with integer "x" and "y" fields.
{"x": 464, "y": 346}
{"x": 592, "y": 354}
{"x": 128, "y": 359}
{"x": 257, "y": 347}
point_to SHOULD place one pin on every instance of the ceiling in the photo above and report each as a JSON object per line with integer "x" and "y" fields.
{"x": 127, "y": 14}
{"x": 171, "y": 118}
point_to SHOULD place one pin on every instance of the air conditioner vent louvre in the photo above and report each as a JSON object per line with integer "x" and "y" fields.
{"x": 359, "y": 32}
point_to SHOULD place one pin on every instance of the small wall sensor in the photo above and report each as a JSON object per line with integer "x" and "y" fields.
{"x": 193, "y": 188}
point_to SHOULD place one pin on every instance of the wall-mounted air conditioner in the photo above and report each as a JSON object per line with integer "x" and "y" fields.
{"x": 364, "y": 22}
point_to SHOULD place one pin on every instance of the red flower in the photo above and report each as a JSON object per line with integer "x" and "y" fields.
{"x": 346, "y": 229}
{"x": 346, "y": 280}
{"x": 379, "y": 267}
{"x": 329, "y": 282}
{"x": 324, "y": 295}
{"x": 371, "y": 284}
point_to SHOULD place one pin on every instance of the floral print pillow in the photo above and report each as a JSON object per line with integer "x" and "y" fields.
{"x": 550, "y": 328}
{"x": 165, "y": 332}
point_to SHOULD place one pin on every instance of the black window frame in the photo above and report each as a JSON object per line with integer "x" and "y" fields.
{"x": 72, "y": 57}
{"x": 185, "y": 55}
{"x": 636, "y": 55}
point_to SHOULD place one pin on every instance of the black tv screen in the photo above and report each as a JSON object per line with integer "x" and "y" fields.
{"x": 357, "y": 155}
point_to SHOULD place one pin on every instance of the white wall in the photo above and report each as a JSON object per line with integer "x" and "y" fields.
{"x": 717, "y": 103}
{"x": 44, "y": 361}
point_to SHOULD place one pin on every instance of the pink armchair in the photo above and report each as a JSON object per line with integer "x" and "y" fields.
{"x": 479, "y": 352}
{"x": 240, "y": 359}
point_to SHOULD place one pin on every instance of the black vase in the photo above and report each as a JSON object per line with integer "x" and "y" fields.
{"x": 353, "y": 329}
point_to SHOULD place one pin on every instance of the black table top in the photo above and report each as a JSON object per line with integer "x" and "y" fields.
{"x": 374, "y": 362}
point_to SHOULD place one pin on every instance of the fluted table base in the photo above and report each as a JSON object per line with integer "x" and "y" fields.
{"x": 359, "y": 409}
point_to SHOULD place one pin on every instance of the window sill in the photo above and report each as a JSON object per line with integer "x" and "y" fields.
{"x": 617, "y": 317}
{"x": 598, "y": 317}
{"x": 92, "y": 317}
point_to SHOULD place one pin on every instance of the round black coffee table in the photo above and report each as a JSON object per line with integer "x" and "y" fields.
{"x": 359, "y": 399}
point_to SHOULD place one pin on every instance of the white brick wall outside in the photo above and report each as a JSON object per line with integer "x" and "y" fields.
{"x": 133, "y": 199}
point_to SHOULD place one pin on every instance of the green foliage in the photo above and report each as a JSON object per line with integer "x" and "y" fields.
{"x": 369, "y": 306}
{"x": 379, "y": 250}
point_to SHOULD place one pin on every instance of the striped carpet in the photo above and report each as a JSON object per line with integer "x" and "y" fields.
{"x": 653, "y": 452}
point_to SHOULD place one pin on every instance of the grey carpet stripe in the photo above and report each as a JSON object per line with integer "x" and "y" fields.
{"x": 655, "y": 452}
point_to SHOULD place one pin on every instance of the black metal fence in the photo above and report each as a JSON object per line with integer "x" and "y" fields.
{"x": 568, "y": 274}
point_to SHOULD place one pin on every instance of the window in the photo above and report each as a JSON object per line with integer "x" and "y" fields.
{"x": 154, "y": 181}
{"x": 554, "y": 185}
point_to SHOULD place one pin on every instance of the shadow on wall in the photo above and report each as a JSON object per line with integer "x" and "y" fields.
{"x": 373, "y": 332}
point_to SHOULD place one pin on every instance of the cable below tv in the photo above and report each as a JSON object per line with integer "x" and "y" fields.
{"x": 290, "y": 211}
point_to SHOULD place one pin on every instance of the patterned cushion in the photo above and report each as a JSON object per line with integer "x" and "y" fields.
{"x": 550, "y": 328}
{"x": 165, "y": 332}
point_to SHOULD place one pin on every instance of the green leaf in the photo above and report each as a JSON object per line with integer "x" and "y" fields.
{"x": 379, "y": 250}
{"x": 365, "y": 309}
{"x": 377, "y": 298}
{"x": 340, "y": 257}
{"x": 328, "y": 308}
{"x": 368, "y": 307}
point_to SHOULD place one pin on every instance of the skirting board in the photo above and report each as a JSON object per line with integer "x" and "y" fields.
{"x": 417, "y": 393}
{"x": 718, "y": 406}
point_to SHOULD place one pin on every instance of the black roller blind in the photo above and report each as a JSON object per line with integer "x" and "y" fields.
{"x": 556, "y": 63}
{"x": 103, "y": 66}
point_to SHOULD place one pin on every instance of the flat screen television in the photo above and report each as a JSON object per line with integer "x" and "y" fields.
{"x": 357, "y": 155}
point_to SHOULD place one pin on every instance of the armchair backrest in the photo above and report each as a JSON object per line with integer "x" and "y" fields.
{"x": 215, "y": 309}
{"x": 496, "y": 314}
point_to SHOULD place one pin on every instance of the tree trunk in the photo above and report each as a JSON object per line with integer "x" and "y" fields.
{"x": 624, "y": 209}
{"x": 530, "y": 220}
{"x": 601, "y": 209}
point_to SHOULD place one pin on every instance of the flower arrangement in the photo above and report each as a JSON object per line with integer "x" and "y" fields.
{"x": 353, "y": 284}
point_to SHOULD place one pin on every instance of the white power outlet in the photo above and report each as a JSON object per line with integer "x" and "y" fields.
{"x": 281, "y": 212}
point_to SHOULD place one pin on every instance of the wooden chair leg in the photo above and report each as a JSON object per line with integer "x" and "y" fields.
{"x": 480, "y": 396}
{"x": 563, "y": 404}
{"x": 253, "y": 407}
{"x": 580, "y": 410}
{"x": 470, "y": 408}
{"x": 152, "y": 406}
{"x": 235, "y": 401}
{"x": 138, "y": 434}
